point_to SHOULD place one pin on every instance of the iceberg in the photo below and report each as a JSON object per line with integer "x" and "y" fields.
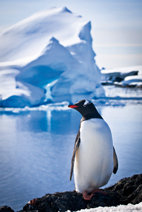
{"x": 123, "y": 83}
{"x": 48, "y": 57}
{"x": 127, "y": 76}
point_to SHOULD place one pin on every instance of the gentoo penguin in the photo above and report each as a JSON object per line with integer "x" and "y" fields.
{"x": 94, "y": 157}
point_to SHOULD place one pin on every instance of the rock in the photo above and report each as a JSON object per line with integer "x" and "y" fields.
{"x": 127, "y": 190}
{"x": 6, "y": 209}
{"x": 71, "y": 201}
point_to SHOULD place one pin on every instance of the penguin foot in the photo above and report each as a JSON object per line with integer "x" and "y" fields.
{"x": 88, "y": 196}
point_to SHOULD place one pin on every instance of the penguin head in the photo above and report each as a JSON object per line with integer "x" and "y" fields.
{"x": 86, "y": 108}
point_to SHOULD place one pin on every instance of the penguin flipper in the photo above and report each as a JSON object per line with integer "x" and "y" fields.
{"x": 115, "y": 161}
{"x": 76, "y": 146}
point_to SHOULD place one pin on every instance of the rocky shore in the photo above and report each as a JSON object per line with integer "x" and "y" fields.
{"x": 127, "y": 190}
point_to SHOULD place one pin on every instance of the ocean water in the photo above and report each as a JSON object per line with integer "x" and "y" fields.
{"x": 36, "y": 149}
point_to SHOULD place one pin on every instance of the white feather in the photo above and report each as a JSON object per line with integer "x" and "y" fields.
{"x": 94, "y": 159}
{"x": 86, "y": 102}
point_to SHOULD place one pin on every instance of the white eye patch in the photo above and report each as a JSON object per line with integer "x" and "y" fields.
{"x": 86, "y": 102}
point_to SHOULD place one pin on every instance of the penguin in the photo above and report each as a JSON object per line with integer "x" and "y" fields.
{"x": 94, "y": 158}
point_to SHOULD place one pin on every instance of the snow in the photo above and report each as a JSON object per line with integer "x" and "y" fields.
{"x": 39, "y": 28}
{"x": 132, "y": 80}
{"x": 120, "y": 208}
{"x": 48, "y": 57}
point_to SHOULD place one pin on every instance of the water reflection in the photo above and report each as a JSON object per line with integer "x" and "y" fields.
{"x": 53, "y": 121}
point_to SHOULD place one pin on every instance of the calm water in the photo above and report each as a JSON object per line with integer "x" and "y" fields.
{"x": 36, "y": 148}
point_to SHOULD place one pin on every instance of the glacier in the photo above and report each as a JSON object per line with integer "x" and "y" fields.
{"x": 46, "y": 58}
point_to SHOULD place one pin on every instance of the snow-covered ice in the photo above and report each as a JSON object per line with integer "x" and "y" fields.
{"x": 47, "y": 57}
{"x": 132, "y": 81}
{"x": 120, "y": 208}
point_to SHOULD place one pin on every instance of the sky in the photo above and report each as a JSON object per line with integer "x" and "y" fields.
{"x": 116, "y": 25}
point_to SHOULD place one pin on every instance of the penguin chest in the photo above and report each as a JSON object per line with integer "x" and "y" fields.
{"x": 94, "y": 158}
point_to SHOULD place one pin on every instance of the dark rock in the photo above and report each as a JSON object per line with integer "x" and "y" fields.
{"x": 71, "y": 201}
{"x": 127, "y": 190}
{"x": 5, "y": 209}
